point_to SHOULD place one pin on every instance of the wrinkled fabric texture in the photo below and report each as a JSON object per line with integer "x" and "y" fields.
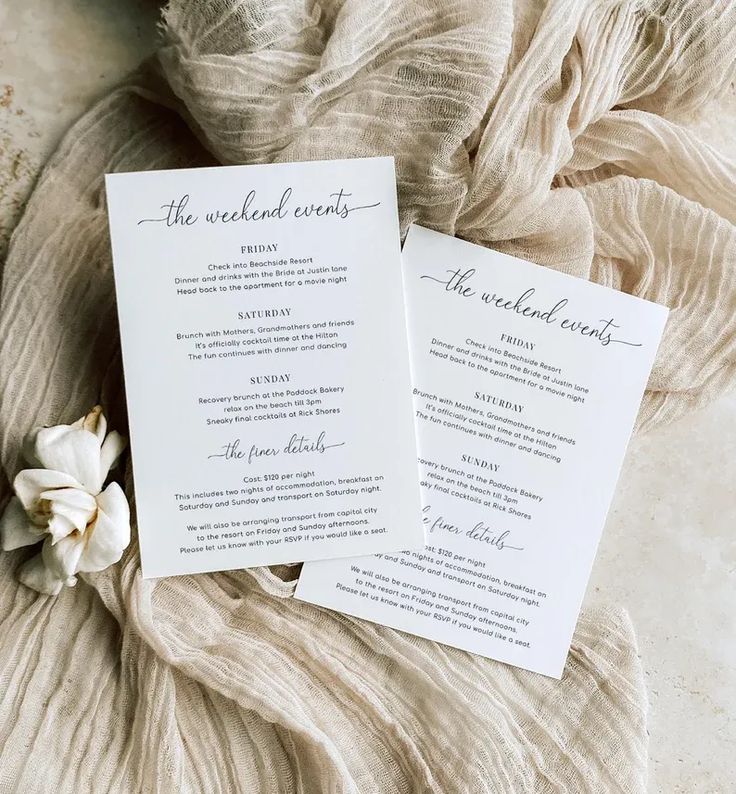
{"x": 546, "y": 130}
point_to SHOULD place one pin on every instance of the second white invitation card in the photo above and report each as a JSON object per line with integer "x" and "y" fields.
{"x": 527, "y": 383}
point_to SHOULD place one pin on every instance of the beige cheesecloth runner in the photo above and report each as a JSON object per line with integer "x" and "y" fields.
{"x": 548, "y": 130}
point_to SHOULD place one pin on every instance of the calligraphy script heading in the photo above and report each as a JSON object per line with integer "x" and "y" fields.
{"x": 176, "y": 213}
{"x": 459, "y": 282}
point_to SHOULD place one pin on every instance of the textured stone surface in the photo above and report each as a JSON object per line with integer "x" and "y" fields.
{"x": 669, "y": 550}
{"x": 668, "y": 554}
{"x": 55, "y": 59}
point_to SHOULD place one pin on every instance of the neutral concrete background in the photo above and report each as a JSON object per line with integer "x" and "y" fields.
{"x": 668, "y": 553}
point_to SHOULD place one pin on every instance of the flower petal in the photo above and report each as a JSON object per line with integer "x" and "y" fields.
{"x": 16, "y": 529}
{"x": 72, "y": 450}
{"x": 76, "y": 506}
{"x": 37, "y": 576}
{"x": 29, "y": 484}
{"x": 62, "y": 557}
{"x": 112, "y": 447}
{"x": 95, "y": 422}
{"x": 59, "y": 527}
{"x": 108, "y": 537}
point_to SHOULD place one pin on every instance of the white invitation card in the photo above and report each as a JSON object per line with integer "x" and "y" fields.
{"x": 266, "y": 363}
{"x": 526, "y": 385}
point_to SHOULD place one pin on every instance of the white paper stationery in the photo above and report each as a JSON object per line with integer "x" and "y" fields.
{"x": 526, "y": 384}
{"x": 266, "y": 363}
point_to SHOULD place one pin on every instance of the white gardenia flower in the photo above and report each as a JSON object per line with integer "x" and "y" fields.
{"x": 83, "y": 527}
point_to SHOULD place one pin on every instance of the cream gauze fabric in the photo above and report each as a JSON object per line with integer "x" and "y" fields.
{"x": 545, "y": 129}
